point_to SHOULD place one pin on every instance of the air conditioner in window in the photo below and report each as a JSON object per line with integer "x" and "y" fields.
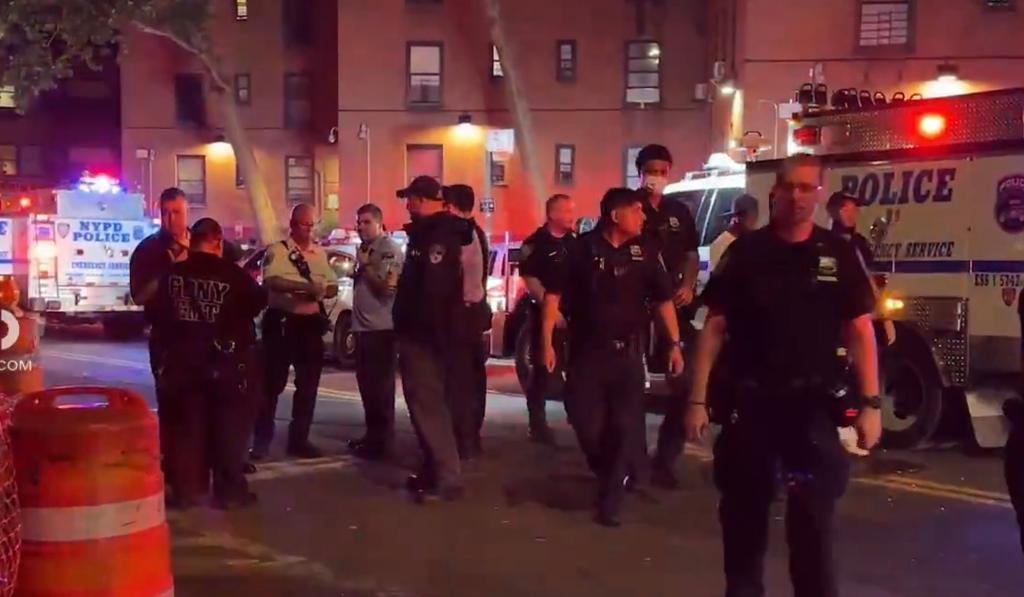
{"x": 499, "y": 169}
{"x": 643, "y": 95}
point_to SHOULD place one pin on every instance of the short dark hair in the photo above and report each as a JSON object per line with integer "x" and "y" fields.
{"x": 652, "y": 152}
{"x": 553, "y": 200}
{"x": 460, "y": 196}
{"x": 172, "y": 193}
{"x": 374, "y": 211}
{"x": 205, "y": 230}
{"x": 618, "y": 197}
{"x": 795, "y": 161}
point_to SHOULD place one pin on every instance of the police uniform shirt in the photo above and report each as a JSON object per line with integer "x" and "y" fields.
{"x": 430, "y": 287}
{"x": 278, "y": 264}
{"x": 863, "y": 248}
{"x": 672, "y": 229}
{"x": 542, "y": 251}
{"x": 371, "y": 312}
{"x": 153, "y": 258}
{"x": 207, "y": 298}
{"x": 605, "y": 290}
{"x": 785, "y": 304}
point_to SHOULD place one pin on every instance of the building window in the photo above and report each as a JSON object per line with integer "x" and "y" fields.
{"x": 424, "y": 160}
{"x": 632, "y": 176}
{"x": 497, "y": 71}
{"x": 8, "y": 160}
{"x": 298, "y": 108}
{"x": 189, "y": 102}
{"x": 884, "y": 24}
{"x": 241, "y": 10}
{"x": 299, "y": 179}
{"x": 7, "y": 96}
{"x": 30, "y": 160}
{"x": 243, "y": 89}
{"x": 566, "y": 60}
{"x": 192, "y": 178}
{"x": 425, "y": 72}
{"x": 565, "y": 163}
{"x": 643, "y": 72}
{"x": 297, "y": 18}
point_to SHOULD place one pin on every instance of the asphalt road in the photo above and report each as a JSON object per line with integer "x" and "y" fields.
{"x": 913, "y": 524}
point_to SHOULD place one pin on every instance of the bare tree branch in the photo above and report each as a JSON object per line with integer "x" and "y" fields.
{"x": 207, "y": 61}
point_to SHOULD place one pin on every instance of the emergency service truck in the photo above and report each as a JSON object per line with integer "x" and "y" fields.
{"x": 941, "y": 187}
{"x": 69, "y": 249}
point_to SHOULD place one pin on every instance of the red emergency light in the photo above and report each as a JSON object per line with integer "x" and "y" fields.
{"x": 806, "y": 136}
{"x": 25, "y": 202}
{"x": 932, "y": 125}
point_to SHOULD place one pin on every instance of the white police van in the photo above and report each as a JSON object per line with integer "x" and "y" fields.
{"x": 941, "y": 183}
{"x": 69, "y": 249}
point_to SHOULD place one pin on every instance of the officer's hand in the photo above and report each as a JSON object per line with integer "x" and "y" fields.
{"x": 363, "y": 256}
{"x": 890, "y": 331}
{"x": 675, "y": 361}
{"x": 869, "y": 428}
{"x": 683, "y": 297}
{"x": 550, "y": 360}
{"x": 318, "y": 289}
{"x": 696, "y": 421}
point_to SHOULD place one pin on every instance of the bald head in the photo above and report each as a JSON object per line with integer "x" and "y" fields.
{"x": 302, "y": 221}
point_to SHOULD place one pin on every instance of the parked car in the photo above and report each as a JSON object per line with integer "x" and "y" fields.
{"x": 339, "y": 340}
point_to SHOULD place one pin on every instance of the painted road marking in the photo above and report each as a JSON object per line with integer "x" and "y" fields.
{"x": 269, "y": 471}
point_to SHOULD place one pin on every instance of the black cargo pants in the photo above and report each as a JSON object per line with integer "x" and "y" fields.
{"x": 544, "y": 384}
{"x": 756, "y": 455}
{"x": 672, "y": 432}
{"x": 376, "y": 360}
{"x": 1014, "y": 463}
{"x": 604, "y": 401}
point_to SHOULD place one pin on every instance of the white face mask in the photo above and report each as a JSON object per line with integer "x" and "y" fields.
{"x": 655, "y": 184}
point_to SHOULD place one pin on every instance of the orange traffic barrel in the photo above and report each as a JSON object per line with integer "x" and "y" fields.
{"x": 91, "y": 494}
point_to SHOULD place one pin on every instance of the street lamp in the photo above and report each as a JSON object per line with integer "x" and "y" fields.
{"x": 947, "y": 73}
{"x": 465, "y": 120}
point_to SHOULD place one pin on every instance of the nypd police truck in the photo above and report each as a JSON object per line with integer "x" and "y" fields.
{"x": 941, "y": 188}
{"x": 69, "y": 250}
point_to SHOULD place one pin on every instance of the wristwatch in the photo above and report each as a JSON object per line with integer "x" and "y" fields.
{"x": 871, "y": 402}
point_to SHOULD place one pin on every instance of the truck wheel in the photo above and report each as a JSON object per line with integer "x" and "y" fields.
{"x": 124, "y": 327}
{"x": 524, "y": 364}
{"x": 911, "y": 398}
{"x": 345, "y": 341}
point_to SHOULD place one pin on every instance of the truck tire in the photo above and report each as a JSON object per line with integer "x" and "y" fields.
{"x": 912, "y": 403}
{"x": 524, "y": 364}
{"x": 344, "y": 342}
{"x": 124, "y": 327}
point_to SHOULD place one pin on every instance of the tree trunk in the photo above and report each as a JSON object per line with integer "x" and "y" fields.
{"x": 255, "y": 185}
{"x": 520, "y": 107}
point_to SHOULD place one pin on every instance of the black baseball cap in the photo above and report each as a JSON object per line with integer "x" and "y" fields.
{"x": 421, "y": 186}
{"x": 744, "y": 204}
{"x": 459, "y": 195}
{"x": 619, "y": 197}
{"x": 836, "y": 200}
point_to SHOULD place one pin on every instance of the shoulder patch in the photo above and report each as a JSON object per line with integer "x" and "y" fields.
{"x": 673, "y": 223}
{"x": 437, "y": 252}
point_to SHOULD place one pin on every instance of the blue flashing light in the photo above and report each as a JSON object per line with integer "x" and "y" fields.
{"x": 100, "y": 183}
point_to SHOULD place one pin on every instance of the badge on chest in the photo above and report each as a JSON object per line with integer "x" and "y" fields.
{"x": 673, "y": 223}
{"x": 828, "y": 269}
{"x": 636, "y": 252}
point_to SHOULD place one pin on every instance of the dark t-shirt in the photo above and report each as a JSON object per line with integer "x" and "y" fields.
{"x": 785, "y": 304}
{"x": 541, "y": 251}
{"x": 606, "y": 291}
{"x": 671, "y": 229}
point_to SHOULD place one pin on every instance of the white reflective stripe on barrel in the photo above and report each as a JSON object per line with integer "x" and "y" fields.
{"x": 87, "y": 523}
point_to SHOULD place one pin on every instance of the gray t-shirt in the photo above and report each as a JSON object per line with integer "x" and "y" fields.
{"x": 371, "y": 312}
{"x": 472, "y": 271}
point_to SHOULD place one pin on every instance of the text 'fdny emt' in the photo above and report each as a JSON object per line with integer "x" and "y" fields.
{"x": 941, "y": 187}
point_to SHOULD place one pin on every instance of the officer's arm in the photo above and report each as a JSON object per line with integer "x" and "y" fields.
{"x": 275, "y": 264}
{"x": 550, "y": 317}
{"x": 864, "y": 352}
{"x": 669, "y": 323}
{"x": 142, "y": 283}
{"x": 691, "y": 265}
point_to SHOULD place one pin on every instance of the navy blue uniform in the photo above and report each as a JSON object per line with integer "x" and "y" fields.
{"x": 203, "y": 310}
{"x": 606, "y": 292}
{"x": 785, "y": 306}
{"x": 541, "y": 253}
{"x": 429, "y": 322}
{"x": 672, "y": 230}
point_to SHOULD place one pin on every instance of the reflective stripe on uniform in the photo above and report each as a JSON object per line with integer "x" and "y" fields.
{"x": 87, "y": 523}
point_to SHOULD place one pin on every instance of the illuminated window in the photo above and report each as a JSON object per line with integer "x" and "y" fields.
{"x": 884, "y": 24}
{"x": 8, "y": 160}
{"x": 643, "y": 72}
{"x": 565, "y": 163}
{"x": 497, "y": 71}
{"x": 7, "y": 96}
{"x": 566, "y": 60}
{"x": 425, "y": 73}
{"x": 192, "y": 178}
{"x": 632, "y": 176}
{"x": 241, "y": 10}
{"x": 299, "y": 179}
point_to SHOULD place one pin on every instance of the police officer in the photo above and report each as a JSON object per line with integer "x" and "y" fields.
{"x": 429, "y": 299}
{"x": 742, "y": 219}
{"x": 203, "y": 311}
{"x": 605, "y": 283}
{"x": 786, "y": 294}
{"x": 149, "y": 263}
{"x": 671, "y": 228}
{"x": 467, "y": 366}
{"x": 542, "y": 252}
{"x": 1014, "y": 463}
{"x": 844, "y": 209}
{"x": 298, "y": 276}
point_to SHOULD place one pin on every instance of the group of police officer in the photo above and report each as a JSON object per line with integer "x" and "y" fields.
{"x": 782, "y": 300}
